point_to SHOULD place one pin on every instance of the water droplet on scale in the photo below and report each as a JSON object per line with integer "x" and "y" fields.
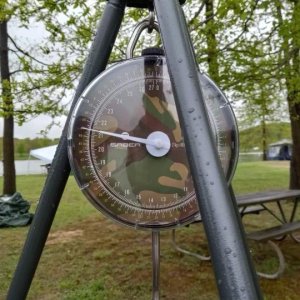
{"x": 228, "y": 250}
{"x": 191, "y": 110}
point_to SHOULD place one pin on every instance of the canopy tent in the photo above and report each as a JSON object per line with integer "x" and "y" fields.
{"x": 281, "y": 150}
{"x": 46, "y": 154}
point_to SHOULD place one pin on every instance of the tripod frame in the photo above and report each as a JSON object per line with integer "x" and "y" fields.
{"x": 234, "y": 271}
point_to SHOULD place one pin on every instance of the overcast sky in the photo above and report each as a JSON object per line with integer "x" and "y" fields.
{"x": 31, "y": 129}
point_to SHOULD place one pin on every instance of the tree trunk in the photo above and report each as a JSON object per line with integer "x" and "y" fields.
{"x": 212, "y": 43}
{"x": 295, "y": 160}
{"x": 291, "y": 44}
{"x": 264, "y": 138}
{"x": 294, "y": 97}
{"x": 9, "y": 173}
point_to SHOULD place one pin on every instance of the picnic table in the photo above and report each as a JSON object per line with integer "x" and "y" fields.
{"x": 286, "y": 202}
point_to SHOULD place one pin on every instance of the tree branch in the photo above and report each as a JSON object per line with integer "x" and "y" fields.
{"x": 26, "y": 53}
{"x": 197, "y": 13}
{"x": 245, "y": 26}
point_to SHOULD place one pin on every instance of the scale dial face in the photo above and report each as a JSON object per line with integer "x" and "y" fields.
{"x": 127, "y": 150}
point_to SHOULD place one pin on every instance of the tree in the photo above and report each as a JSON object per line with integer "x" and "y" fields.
{"x": 288, "y": 16}
{"x": 256, "y": 45}
{"x": 9, "y": 172}
{"x": 261, "y": 106}
{"x": 211, "y": 41}
{"x": 35, "y": 78}
{"x": 271, "y": 65}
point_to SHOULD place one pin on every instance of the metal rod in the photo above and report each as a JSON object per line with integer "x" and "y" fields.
{"x": 270, "y": 211}
{"x": 281, "y": 212}
{"x": 294, "y": 209}
{"x": 60, "y": 170}
{"x": 175, "y": 245}
{"x": 155, "y": 264}
{"x": 231, "y": 259}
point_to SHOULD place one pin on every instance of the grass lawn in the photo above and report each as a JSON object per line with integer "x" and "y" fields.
{"x": 88, "y": 256}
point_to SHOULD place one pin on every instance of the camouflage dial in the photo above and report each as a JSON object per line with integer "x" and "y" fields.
{"x": 127, "y": 150}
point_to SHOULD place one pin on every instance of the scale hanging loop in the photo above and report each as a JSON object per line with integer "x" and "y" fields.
{"x": 150, "y": 24}
{"x": 151, "y": 21}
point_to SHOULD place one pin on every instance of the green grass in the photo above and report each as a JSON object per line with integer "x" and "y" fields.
{"x": 260, "y": 176}
{"x": 88, "y": 256}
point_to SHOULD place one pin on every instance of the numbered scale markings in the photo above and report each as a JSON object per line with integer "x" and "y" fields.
{"x": 127, "y": 150}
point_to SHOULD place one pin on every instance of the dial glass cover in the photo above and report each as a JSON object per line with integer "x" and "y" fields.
{"x": 126, "y": 147}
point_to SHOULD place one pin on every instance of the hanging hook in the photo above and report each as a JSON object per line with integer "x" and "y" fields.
{"x": 150, "y": 24}
{"x": 151, "y": 21}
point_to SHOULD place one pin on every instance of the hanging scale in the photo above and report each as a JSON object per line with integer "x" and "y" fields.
{"x": 126, "y": 146}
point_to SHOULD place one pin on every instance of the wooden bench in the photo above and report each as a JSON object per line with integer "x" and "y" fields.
{"x": 267, "y": 235}
{"x": 288, "y": 226}
{"x": 252, "y": 209}
{"x": 255, "y": 203}
{"x": 274, "y": 232}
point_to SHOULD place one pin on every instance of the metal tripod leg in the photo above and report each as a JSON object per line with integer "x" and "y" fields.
{"x": 155, "y": 264}
{"x": 234, "y": 270}
{"x": 60, "y": 170}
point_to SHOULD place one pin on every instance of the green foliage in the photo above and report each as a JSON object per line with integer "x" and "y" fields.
{"x": 229, "y": 40}
{"x": 251, "y": 49}
{"x": 252, "y": 137}
{"x": 23, "y": 146}
{"x": 42, "y": 74}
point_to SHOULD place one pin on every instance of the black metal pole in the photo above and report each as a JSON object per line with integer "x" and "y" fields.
{"x": 155, "y": 264}
{"x": 60, "y": 170}
{"x": 231, "y": 260}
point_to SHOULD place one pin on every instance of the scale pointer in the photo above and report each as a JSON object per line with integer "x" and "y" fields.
{"x": 157, "y": 143}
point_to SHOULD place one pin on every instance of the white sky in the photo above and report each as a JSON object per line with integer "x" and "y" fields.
{"x": 32, "y": 129}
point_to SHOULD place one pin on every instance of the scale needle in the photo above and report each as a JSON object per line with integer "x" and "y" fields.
{"x": 125, "y": 136}
{"x": 156, "y": 140}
